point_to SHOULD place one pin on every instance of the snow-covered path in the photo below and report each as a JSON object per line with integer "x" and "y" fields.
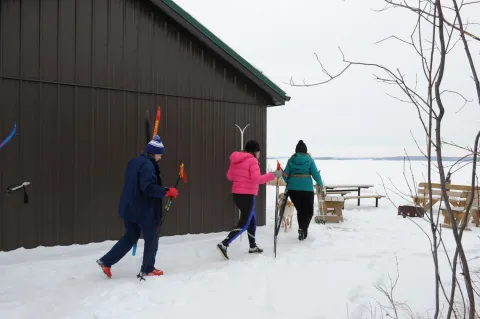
{"x": 333, "y": 271}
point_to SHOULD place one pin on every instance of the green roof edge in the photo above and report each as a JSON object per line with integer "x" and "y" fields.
{"x": 225, "y": 47}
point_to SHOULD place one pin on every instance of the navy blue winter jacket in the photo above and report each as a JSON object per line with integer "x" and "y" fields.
{"x": 141, "y": 200}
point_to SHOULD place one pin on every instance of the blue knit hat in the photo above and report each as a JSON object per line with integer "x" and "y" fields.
{"x": 155, "y": 146}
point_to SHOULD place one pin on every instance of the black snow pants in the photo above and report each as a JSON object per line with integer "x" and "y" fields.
{"x": 248, "y": 219}
{"x": 303, "y": 202}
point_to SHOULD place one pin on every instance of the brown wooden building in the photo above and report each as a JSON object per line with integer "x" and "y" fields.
{"x": 78, "y": 77}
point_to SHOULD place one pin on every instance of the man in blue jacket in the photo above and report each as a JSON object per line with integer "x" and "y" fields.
{"x": 141, "y": 209}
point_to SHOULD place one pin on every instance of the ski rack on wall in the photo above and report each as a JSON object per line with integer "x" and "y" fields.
{"x": 15, "y": 187}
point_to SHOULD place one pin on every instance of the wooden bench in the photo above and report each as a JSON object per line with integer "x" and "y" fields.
{"x": 376, "y": 196}
{"x": 458, "y": 197}
{"x": 348, "y": 188}
{"x": 456, "y": 194}
{"x": 475, "y": 210}
{"x": 341, "y": 193}
{"x": 459, "y": 212}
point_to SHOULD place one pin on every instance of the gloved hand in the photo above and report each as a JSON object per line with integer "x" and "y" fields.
{"x": 172, "y": 192}
{"x": 277, "y": 173}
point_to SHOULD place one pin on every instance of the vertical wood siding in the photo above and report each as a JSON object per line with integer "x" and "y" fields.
{"x": 77, "y": 77}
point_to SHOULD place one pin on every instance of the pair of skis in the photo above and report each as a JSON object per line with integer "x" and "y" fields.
{"x": 147, "y": 138}
{"x": 278, "y": 211}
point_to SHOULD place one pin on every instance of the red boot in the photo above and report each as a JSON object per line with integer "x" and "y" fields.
{"x": 106, "y": 270}
{"x": 156, "y": 272}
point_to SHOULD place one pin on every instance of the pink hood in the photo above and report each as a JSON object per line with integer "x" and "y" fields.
{"x": 244, "y": 172}
{"x": 237, "y": 157}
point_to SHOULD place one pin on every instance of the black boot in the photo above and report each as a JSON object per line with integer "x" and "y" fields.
{"x": 255, "y": 249}
{"x": 223, "y": 249}
{"x": 301, "y": 235}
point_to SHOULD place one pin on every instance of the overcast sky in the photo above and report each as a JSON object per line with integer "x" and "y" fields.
{"x": 352, "y": 115}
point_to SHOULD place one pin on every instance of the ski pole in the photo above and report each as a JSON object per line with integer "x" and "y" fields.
{"x": 282, "y": 211}
{"x": 181, "y": 175}
{"x": 277, "y": 217}
{"x": 277, "y": 195}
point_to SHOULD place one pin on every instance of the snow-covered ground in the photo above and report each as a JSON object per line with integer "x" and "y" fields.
{"x": 332, "y": 274}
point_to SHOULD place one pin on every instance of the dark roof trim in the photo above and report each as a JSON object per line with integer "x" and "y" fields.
{"x": 218, "y": 46}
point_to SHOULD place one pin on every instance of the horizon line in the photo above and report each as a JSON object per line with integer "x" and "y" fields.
{"x": 375, "y": 157}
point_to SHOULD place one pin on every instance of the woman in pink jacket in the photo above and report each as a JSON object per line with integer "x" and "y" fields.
{"x": 244, "y": 172}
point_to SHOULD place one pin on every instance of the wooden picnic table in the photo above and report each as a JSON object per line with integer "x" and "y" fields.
{"x": 342, "y": 188}
{"x": 458, "y": 196}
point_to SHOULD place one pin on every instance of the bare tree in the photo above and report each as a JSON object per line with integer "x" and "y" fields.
{"x": 445, "y": 26}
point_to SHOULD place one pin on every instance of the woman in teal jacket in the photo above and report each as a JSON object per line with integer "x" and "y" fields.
{"x": 298, "y": 175}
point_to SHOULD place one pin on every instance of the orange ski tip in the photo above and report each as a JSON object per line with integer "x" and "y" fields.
{"x": 182, "y": 174}
{"x": 157, "y": 123}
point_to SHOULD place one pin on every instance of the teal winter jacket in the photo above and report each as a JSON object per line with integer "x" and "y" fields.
{"x": 299, "y": 172}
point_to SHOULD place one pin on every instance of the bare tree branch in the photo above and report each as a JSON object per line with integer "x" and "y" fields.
{"x": 431, "y": 104}
{"x": 424, "y": 14}
{"x": 291, "y": 83}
